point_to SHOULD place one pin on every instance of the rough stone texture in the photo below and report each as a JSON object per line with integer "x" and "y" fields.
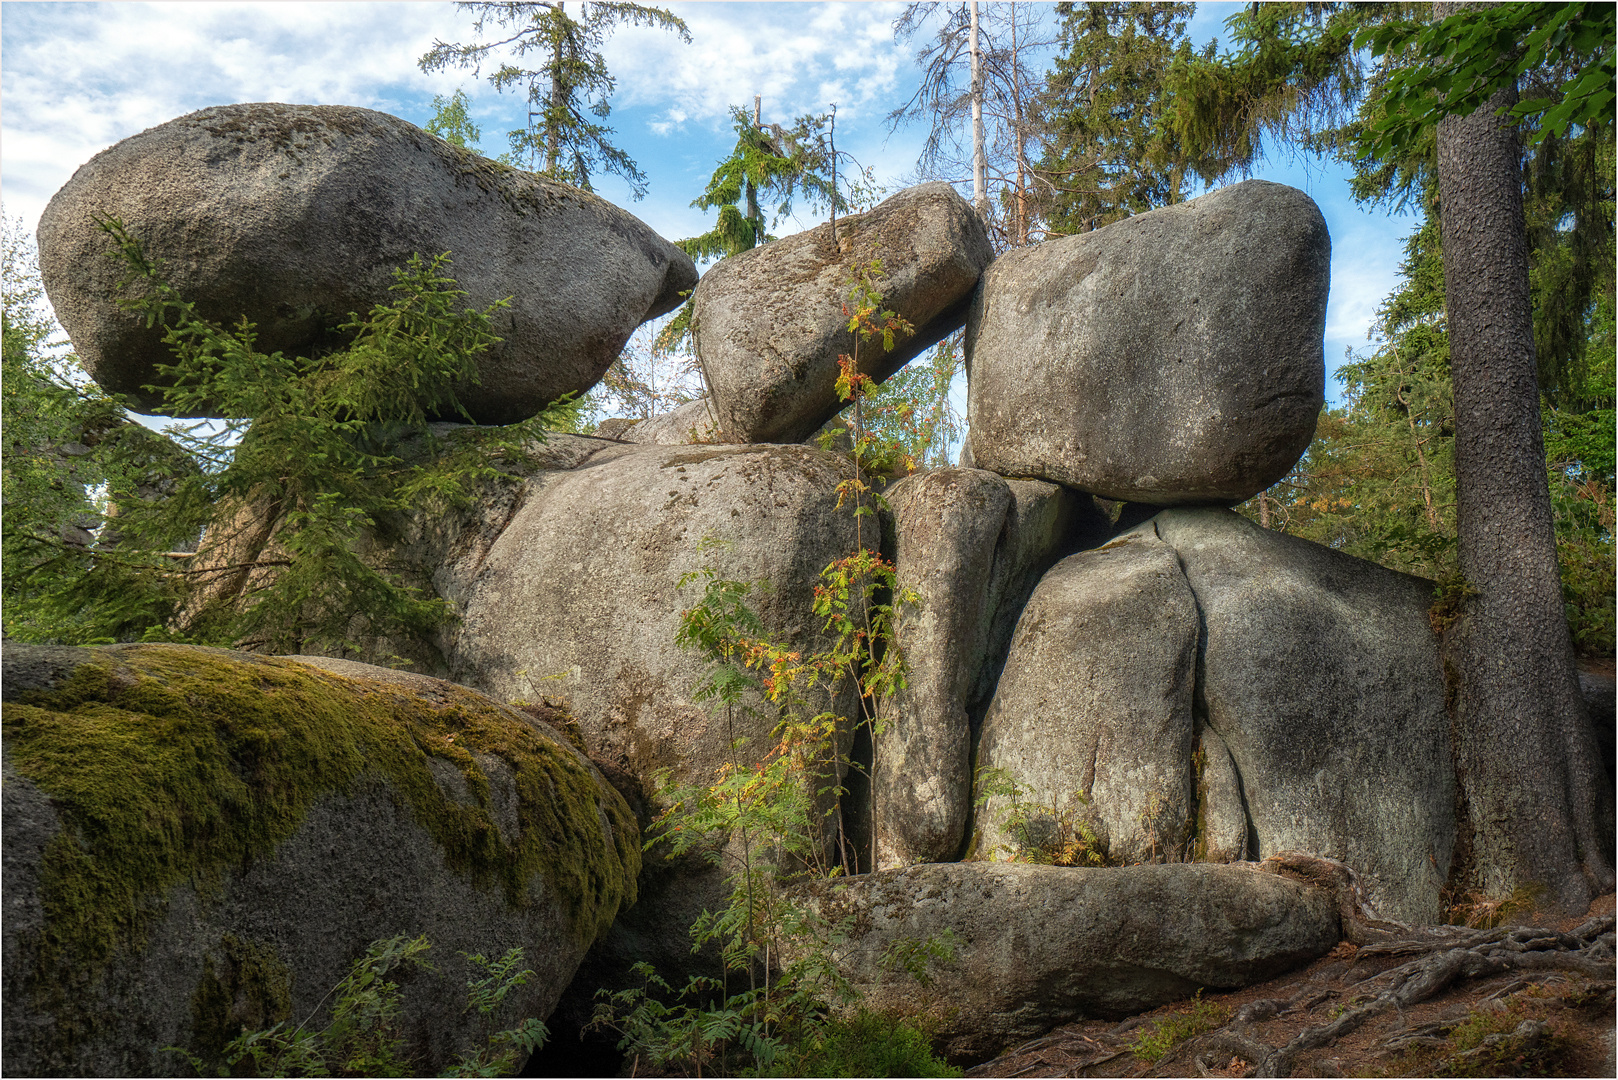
{"x": 578, "y": 597}
{"x": 1171, "y": 357}
{"x": 1320, "y": 672}
{"x": 1223, "y": 833}
{"x": 1093, "y": 715}
{"x": 769, "y": 323}
{"x": 971, "y": 545}
{"x": 297, "y": 215}
{"x": 693, "y": 422}
{"x": 358, "y": 866}
{"x": 1037, "y": 946}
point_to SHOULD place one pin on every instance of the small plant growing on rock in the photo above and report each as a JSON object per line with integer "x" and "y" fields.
{"x": 779, "y": 807}
{"x": 1053, "y": 835}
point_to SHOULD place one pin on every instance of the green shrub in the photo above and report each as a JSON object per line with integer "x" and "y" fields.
{"x": 1164, "y": 1035}
{"x": 364, "y": 1038}
{"x": 865, "y": 1044}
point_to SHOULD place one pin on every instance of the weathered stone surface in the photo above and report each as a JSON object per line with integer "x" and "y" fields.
{"x": 1093, "y": 715}
{"x": 1037, "y": 946}
{"x": 1172, "y": 357}
{"x": 578, "y": 596}
{"x": 197, "y": 840}
{"x": 769, "y": 323}
{"x": 971, "y": 545}
{"x": 297, "y": 215}
{"x": 693, "y": 422}
{"x": 1320, "y": 673}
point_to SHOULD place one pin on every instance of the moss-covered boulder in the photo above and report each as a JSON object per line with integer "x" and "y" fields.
{"x": 198, "y": 840}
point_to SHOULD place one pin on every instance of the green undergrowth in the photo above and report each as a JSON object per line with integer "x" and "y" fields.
{"x": 1153, "y": 1043}
{"x": 865, "y": 1044}
{"x": 1487, "y": 1042}
{"x": 171, "y": 765}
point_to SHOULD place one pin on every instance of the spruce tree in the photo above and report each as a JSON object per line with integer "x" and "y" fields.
{"x": 1105, "y": 153}
{"x": 569, "y": 90}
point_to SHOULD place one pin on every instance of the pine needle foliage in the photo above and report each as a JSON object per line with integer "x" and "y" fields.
{"x": 322, "y": 453}
{"x": 569, "y": 90}
{"x": 1105, "y": 151}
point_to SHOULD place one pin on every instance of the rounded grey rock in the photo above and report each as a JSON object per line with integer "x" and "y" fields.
{"x": 297, "y": 215}
{"x": 1037, "y": 946}
{"x": 1172, "y": 357}
{"x": 769, "y": 323}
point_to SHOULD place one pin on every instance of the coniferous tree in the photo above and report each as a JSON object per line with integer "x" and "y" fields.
{"x": 569, "y": 90}
{"x": 768, "y": 162}
{"x": 1105, "y": 156}
{"x": 1535, "y": 813}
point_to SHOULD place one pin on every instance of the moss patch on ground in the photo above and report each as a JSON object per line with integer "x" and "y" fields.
{"x": 170, "y": 765}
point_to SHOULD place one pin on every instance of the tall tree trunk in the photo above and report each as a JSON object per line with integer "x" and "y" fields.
{"x": 1538, "y": 810}
{"x": 558, "y": 102}
{"x": 754, "y": 214}
{"x": 980, "y": 196}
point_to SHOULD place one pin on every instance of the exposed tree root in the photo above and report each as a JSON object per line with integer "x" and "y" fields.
{"x": 1400, "y": 968}
{"x": 1587, "y": 951}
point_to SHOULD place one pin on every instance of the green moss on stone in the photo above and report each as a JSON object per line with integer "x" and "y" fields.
{"x": 171, "y": 765}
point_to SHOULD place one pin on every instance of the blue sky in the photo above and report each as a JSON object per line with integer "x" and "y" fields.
{"x": 77, "y": 77}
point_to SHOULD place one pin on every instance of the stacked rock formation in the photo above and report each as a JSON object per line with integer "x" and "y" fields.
{"x": 1168, "y": 680}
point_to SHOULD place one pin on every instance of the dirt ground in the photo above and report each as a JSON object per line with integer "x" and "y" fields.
{"x": 1536, "y": 1022}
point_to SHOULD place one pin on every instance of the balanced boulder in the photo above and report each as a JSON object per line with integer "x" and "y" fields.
{"x": 769, "y": 323}
{"x": 1172, "y": 357}
{"x": 1033, "y": 947}
{"x": 199, "y": 841}
{"x": 294, "y": 216}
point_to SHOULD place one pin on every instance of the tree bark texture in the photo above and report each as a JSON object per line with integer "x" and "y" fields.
{"x": 1539, "y": 809}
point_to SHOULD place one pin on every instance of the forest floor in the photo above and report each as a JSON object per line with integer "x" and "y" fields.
{"x": 1512, "y": 1001}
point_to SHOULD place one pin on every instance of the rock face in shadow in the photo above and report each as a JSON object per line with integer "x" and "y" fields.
{"x": 1172, "y": 357}
{"x": 1093, "y": 715}
{"x": 198, "y": 840}
{"x": 1320, "y": 673}
{"x": 1037, "y": 946}
{"x": 769, "y": 323}
{"x": 297, "y": 215}
{"x": 971, "y": 545}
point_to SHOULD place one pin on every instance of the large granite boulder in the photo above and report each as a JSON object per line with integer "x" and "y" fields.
{"x": 1320, "y": 674}
{"x": 297, "y": 215}
{"x": 1093, "y": 715}
{"x": 1172, "y": 357}
{"x": 198, "y": 840}
{"x": 1037, "y": 946}
{"x": 579, "y": 595}
{"x": 769, "y": 323}
{"x": 1205, "y": 689}
{"x": 971, "y": 546}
